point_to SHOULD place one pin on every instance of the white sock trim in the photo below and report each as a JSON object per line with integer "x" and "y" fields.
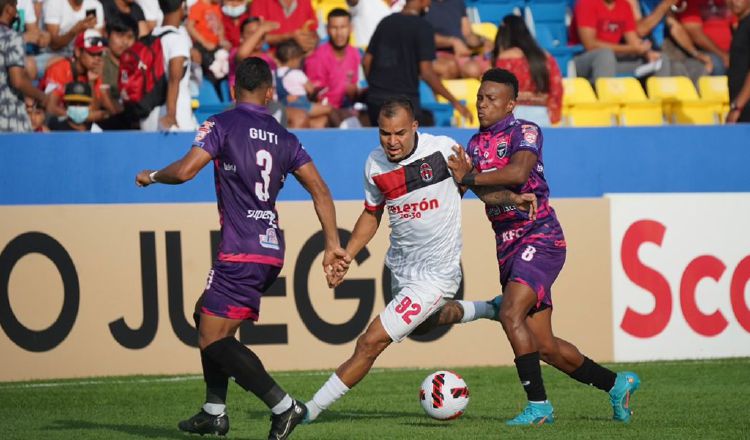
{"x": 282, "y": 406}
{"x": 474, "y": 310}
{"x": 214, "y": 408}
{"x": 330, "y": 392}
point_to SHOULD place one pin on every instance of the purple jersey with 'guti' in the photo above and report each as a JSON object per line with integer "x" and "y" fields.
{"x": 491, "y": 149}
{"x": 252, "y": 155}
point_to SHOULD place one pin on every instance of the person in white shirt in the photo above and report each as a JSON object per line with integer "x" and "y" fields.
{"x": 366, "y": 14}
{"x": 64, "y": 19}
{"x": 408, "y": 176}
{"x": 152, "y": 12}
{"x": 176, "y": 114}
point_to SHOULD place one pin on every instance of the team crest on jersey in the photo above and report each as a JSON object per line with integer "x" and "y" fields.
{"x": 425, "y": 172}
{"x": 269, "y": 240}
{"x": 502, "y": 149}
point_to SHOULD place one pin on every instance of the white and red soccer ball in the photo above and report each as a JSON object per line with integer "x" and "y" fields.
{"x": 444, "y": 395}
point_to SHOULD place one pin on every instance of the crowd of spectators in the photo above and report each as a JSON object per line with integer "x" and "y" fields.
{"x": 60, "y": 59}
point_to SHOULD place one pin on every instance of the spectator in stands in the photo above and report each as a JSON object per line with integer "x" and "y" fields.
{"x": 296, "y": 18}
{"x": 367, "y": 14}
{"x": 295, "y": 90}
{"x": 34, "y": 38}
{"x": 334, "y": 66}
{"x": 152, "y": 12}
{"x": 607, "y": 30}
{"x": 78, "y": 101}
{"x": 460, "y": 51}
{"x": 66, "y": 19}
{"x": 14, "y": 81}
{"x": 539, "y": 80}
{"x": 709, "y": 24}
{"x": 115, "y": 9}
{"x": 84, "y": 66}
{"x": 177, "y": 112}
{"x": 233, "y": 15}
{"x": 739, "y": 64}
{"x": 121, "y": 34}
{"x": 401, "y": 51}
{"x": 204, "y": 24}
{"x": 37, "y": 116}
{"x": 254, "y": 32}
{"x": 655, "y": 22}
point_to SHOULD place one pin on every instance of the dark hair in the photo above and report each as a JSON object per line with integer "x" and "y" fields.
{"x": 252, "y": 73}
{"x": 4, "y": 3}
{"x": 514, "y": 33}
{"x": 122, "y": 24}
{"x": 247, "y": 21}
{"x": 287, "y": 50}
{"x": 168, "y": 6}
{"x": 391, "y": 105}
{"x": 338, "y": 12}
{"x": 502, "y": 76}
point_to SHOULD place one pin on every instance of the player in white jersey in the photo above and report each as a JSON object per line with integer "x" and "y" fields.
{"x": 408, "y": 176}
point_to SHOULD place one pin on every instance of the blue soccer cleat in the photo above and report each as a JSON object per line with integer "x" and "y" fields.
{"x": 625, "y": 386}
{"x": 534, "y": 414}
{"x": 495, "y": 303}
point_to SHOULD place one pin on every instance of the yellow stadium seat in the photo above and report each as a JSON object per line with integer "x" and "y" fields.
{"x": 484, "y": 29}
{"x": 322, "y": 8}
{"x": 633, "y": 107}
{"x": 581, "y": 108}
{"x": 680, "y": 101}
{"x": 464, "y": 90}
{"x": 715, "y": 88}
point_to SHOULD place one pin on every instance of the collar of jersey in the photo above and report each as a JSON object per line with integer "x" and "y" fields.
{"x": 500, "y": 125}
{"x": 252, "y": 107}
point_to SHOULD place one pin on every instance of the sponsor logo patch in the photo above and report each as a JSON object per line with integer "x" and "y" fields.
{"x": 203, "y": 131}
{"x": 269, "y": 240}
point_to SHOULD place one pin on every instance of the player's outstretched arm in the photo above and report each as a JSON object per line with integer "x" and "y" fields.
{"x": 515, "y": 173}
{"x": 177, "y": 172}
{"x": 310, "y": 179}
{"x": 365, "y": 228}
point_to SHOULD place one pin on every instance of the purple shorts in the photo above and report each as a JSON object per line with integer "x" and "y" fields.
{"x": 536, "y": 265}
{"x": 233, "y": 290}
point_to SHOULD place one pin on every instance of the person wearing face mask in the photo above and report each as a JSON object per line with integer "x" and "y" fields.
{"x": 233, "y": 14}
{"x": 14, "y": 81}
{"x": 77, "y": 101}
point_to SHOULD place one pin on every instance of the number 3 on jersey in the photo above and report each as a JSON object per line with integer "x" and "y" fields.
{"x": 407, "y": 309}
{"x": 264, "y": 160}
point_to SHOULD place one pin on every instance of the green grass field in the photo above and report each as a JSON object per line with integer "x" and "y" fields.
{"x": 677, "y": 400}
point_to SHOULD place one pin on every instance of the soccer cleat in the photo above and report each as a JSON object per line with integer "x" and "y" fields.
{"x": 625, "y": 386}
{"x": 205, "y": 423}
{"x": 283, "y": 424}
{"x": 495, "y": 303}
{"x": 534, "y": 414}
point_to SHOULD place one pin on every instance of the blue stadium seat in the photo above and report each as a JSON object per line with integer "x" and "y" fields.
{"x": 493, "y": 11}
{"x": 209, "y": 102}
{"x": 547, "y": 21}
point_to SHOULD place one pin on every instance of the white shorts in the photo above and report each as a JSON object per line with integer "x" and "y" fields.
{"x": 413, "y": 302}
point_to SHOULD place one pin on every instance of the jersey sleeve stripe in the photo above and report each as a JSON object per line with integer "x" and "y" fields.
{"x": 251, "y": 258}
{"x": 374, "y": 208}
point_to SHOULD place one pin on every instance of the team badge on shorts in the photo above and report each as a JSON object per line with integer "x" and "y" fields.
{"x": 269, "y": 240}
{"x": 425, "y": 172}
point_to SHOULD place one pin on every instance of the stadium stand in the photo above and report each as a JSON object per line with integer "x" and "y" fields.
{"x": 464, "y": 90}
{"x": 715, "y": 88}
{"x": 632, "y": 106}
{"x": 681, "y": 102}
{"x": 581, "y": 108}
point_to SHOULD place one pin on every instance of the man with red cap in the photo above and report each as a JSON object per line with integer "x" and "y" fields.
{"x": 85, "y": 66}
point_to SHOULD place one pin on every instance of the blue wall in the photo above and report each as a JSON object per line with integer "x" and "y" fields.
{"x": 67, "y": 168}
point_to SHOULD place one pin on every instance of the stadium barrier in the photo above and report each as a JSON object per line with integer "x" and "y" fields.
{"x": 91, "y": 265}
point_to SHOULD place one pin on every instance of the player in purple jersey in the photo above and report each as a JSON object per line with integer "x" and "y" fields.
{"x": 508, "y": 152}
{"x": 252, "y": 154}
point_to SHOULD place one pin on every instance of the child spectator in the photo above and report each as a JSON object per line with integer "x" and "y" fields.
{"x": 204, "y": 24}
{"x": 293, "y": 89}
{"x": 78, "y": 101}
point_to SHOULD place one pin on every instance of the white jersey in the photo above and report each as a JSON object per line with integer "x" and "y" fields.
{"x": 424, "y": 208}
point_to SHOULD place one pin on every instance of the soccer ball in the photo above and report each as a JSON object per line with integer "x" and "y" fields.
{"x": 444, "y": 395}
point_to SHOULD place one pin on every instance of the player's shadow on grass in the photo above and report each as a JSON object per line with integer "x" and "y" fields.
{"x": 142, "y": 431}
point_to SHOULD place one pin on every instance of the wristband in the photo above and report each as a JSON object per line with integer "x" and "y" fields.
{"x": 152, "y": 177}
{"x": 733, "y": 106}
{"x": 469, "y": 179}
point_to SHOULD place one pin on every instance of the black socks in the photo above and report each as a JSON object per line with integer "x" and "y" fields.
{"x": 530, "y": 373}
{"x": 591, "y": 373}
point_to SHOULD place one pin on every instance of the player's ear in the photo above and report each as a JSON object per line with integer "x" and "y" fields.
{"x": 414, "y": 124}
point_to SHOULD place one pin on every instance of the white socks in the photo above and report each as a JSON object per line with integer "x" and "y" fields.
{"x": 214, "y": 408}
{"x": 331, "y": 391}
{"x": 474, "y": 310}
{"x": 283, "y": 405}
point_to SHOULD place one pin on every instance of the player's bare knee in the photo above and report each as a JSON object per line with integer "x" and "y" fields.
{"x": 510, "y": 318}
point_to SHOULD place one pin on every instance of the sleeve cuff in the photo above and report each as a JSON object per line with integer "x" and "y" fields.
{"x": 374, "y": 208}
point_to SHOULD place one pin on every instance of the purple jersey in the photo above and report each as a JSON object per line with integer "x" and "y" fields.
{"x": 252, "y": 156}
{"x": 492, "y": 149}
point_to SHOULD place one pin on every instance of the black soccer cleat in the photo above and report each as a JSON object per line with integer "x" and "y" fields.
{"x": 204, "y": 423}
{"x": 283, "y": 424}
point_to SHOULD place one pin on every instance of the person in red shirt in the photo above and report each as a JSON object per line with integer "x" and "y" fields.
{"x": 85, "y": 66}
{"x": 539, "y": 80}
{"x": 607, "y": 30}
{"x": 709, "y": 24}
{"x": 233, "y": 15}
{"x": 297, "y": 21}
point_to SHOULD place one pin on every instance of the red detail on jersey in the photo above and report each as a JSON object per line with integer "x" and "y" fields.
{"x": 392, "y": 184}
{"x": 251, "y": 258}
